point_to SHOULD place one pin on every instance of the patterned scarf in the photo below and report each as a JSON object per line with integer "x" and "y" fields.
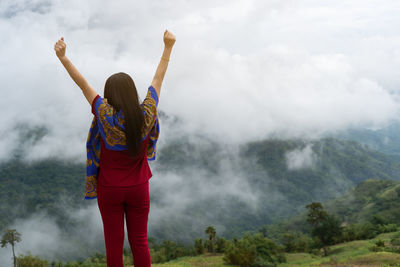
{"x": 109, "y": 125}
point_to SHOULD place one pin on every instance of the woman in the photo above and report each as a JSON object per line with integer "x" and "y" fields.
{"x": 121, "y": 139}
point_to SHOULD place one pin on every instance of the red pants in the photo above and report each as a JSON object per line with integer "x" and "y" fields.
{"x": 133, "y": 201}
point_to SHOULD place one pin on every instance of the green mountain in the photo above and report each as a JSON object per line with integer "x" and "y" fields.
{"x": 369, "y": 200}
{"x": 279, "y": 179}
{"x": 29, "y": 188}
{"x": 338, "y": 166}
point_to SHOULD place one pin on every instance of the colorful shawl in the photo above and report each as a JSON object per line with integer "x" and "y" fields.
{"x": 109, "y": 125}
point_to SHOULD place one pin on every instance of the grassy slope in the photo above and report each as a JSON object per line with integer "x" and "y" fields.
{"x": 355, "y": 253}
{"x": 203, "y": 261}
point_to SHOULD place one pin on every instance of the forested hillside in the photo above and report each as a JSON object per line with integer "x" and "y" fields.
{"x": 336, "y": 167}
{"x": 26, "y": 189}
{"x": 282, "y": 176}
{"x": 369, "y": 203}
{"x": 371, "y": 200}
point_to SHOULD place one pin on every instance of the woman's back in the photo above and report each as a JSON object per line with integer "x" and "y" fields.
{"x": 118, "y": 168}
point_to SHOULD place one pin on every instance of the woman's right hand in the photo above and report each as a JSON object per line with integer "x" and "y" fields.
{"x": 169, "y": 39}
{"x": 60, "y": 48}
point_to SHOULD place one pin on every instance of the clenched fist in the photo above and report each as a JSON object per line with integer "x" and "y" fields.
{"x": 60, "y": 47}
{"x": 169, "y": 39}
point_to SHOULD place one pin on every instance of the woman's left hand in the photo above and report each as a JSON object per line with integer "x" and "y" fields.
{"x": 169, "y": 39}
{"x": 60, "y": 48}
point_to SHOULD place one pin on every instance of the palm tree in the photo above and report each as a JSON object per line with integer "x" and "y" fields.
{"x": 11, "y": 236}
{"x": 210, "y": 231}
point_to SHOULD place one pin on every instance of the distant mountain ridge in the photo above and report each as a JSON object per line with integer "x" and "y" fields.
{"x": 386, "y": 139}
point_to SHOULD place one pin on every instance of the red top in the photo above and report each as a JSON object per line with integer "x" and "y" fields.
{"x": 119, "y": 169}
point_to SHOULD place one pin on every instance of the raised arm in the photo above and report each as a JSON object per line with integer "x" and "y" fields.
{"x": 169, "y": 40}
{"x": 87, "y": 90}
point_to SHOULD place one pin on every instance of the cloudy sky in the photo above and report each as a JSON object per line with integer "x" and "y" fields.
{"x": 240, "y": 70}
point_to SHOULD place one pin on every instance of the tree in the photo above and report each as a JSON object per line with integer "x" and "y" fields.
{"x": 325, "y": 227}
{"x": 297, "y": 242}
{"x": 316, "y": 213}
{"x": 289, "y": 242}
{"x": 11, "y": 236}
{"x": 329, "y": 232}
{"x": 211, "y": 234}
{"x": 198, "y": 245}
{"x": 378, "y": 220}
{"x": 221, "y": 243}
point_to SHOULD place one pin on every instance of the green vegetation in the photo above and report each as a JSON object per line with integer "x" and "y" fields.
{"x": 254, "y": 251}
{"x": 354, "y": 252}
{"x": 324, "y": 245}
{"x": 206, "y": 260}
{"x": 31, "y": 261}
{"x": 168, "y": 250}
{"x": 358, "y": 252}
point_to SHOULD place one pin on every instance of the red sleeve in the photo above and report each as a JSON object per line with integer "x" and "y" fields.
{"x": 94, "y": 101}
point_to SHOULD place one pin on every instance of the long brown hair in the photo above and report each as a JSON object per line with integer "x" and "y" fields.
{"x": 121, "y": 93}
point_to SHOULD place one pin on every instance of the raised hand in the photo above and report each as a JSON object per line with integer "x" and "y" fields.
{"x": 169, "y": 39}
{"x": 87, "y": 90}
{"x": 60, "y": 48}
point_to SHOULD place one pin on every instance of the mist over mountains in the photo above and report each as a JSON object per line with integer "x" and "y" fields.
{"x": 196, "y": 182}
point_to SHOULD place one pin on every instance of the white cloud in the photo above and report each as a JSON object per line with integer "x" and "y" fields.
{"x": 301, "y": 158}
{"x": 240, "y": 70}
